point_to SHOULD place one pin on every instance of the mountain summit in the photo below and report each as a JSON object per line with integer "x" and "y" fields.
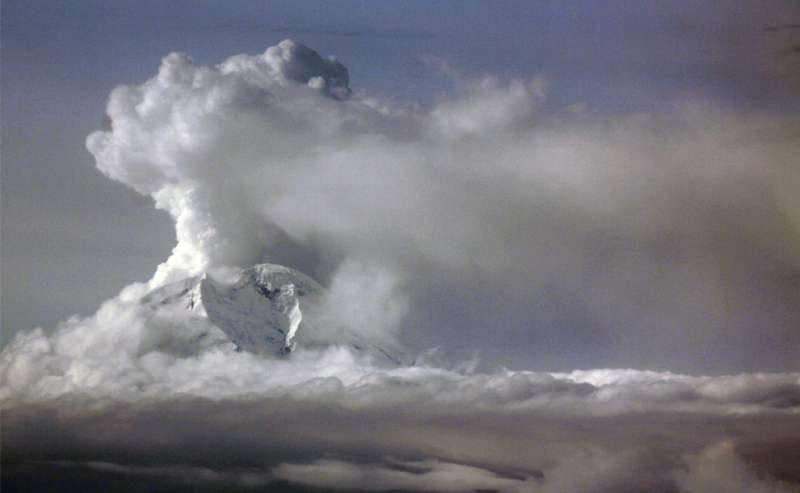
{"x": 269, "y": 309}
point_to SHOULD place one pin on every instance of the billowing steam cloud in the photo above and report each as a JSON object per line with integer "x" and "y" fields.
{"x": 640, "y": 231}
{"x": 669, "y": 232}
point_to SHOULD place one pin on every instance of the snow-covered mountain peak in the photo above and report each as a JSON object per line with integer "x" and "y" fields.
{"x": 267, "y": 309}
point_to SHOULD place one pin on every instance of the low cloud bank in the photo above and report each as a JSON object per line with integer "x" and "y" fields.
{"x": 128, "y": 353}
{"x": 391, "y": 431}
{"x": 332, "y": 419}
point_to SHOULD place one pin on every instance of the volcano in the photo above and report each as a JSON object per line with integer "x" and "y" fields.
{"x": 268, "y": 309}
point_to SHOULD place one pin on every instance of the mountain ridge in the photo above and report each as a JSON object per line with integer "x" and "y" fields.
{"x": 268, "y": 309}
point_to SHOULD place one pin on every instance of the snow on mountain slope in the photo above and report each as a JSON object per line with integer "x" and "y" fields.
{"x": 269, "y": 309}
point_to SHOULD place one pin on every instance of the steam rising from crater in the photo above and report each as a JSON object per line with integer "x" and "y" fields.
{"x": 662, "y": 229}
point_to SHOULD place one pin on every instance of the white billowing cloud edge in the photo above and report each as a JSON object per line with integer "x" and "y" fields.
{"x": 128, "y": 353}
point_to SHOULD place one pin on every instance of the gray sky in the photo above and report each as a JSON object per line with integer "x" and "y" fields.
{"x": 72, "y": 238}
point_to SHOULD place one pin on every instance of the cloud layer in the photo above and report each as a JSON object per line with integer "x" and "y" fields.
{"x": 106, "y": 400}
{"x": 356, "y": 427}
